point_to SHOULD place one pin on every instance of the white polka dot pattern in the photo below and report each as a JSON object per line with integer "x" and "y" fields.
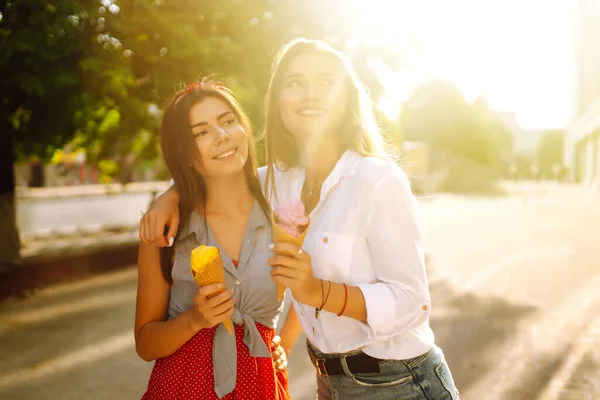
{"x": 188, "y": 373}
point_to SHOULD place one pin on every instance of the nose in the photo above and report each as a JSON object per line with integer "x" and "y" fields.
{"x": 222, "y": 136}
{"x": 311, "y": 92}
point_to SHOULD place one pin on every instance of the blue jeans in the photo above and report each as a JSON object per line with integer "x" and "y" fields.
{"x": 426, "y": 377}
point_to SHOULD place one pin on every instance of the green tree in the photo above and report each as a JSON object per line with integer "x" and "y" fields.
{"x": 97, "y": 73}
{"x": 40, "y": 92}
{"x": 469, "y": 144}
{"x": 438, "y": 114}
{"x": 549, "y": 154}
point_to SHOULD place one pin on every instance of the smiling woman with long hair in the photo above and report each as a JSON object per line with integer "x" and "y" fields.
{"x": 206, "y": 140}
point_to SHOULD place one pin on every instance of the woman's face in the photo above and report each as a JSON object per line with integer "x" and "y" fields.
{"x": 313, "y": 97}
{"x": 220, "y": 138}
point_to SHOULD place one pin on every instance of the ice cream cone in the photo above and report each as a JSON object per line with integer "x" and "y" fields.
{"x": 281, "y": 235}
{"x": 206, "y": 265}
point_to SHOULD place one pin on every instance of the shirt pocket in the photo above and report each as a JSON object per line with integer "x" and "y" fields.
{"x": 332, "y": 255}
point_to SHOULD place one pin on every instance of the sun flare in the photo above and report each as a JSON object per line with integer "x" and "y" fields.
{"x": 517, "y": 54}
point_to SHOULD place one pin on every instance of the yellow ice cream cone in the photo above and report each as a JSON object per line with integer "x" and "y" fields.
{"x": 281, "y": 235}
{"x": 207, "y": 268}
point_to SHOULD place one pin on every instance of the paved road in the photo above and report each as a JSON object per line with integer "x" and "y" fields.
{"x": 515, "y": 283}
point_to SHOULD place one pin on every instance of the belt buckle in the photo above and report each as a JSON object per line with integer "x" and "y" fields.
{"x": 320, "y": 364}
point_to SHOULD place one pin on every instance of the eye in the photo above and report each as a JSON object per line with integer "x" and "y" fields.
{"x": 294, "y": 83}
{"x": 328, "y": 82}
{"x": 229, "y": 122}
{"x": 199, "y": 134}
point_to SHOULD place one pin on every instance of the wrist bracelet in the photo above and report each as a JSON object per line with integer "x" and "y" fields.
{"x": 318, "y": 310}
{"x": 345, "y": 300}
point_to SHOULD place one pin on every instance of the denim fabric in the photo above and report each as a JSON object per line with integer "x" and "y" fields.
{"x": 426, "y": 377}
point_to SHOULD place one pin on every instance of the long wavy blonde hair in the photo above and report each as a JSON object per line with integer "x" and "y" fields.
{"x": 359, "y": 132}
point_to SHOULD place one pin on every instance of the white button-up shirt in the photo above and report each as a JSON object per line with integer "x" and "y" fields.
{"x": 366, "y": 231}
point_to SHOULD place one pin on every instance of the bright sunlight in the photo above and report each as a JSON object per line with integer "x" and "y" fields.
{"x": 517, "y": 54}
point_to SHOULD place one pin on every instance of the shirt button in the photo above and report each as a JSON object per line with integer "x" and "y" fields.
{"x": 424, "y": 308}
{"x": 237, "y": 282}
{"x": 325, "y": 240}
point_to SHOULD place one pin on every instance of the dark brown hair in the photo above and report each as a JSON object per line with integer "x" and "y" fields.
{"x": 179, "y": 151}
{"x": 359, "y": 132}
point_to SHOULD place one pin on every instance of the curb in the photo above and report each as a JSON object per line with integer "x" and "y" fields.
{"x": 38, "y": 271}
{"x": 25, "y": 193}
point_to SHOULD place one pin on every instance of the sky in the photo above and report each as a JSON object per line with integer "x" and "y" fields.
{"x": 517, "y": 54}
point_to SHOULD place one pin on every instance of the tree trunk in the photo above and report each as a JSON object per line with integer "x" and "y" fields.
{"x": 10, "y": 246}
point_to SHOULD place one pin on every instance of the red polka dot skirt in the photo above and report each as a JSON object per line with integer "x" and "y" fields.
{"x": 188, "y": 373}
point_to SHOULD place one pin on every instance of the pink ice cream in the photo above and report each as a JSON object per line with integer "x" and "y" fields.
{"x": 291, "y": 216}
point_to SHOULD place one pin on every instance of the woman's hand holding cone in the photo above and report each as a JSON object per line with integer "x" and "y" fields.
{"x": 292, "y": 267}
{"x": 210, "y": 311}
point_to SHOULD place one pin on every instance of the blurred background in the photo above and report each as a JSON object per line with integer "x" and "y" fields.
{"x": 493, "y": 105}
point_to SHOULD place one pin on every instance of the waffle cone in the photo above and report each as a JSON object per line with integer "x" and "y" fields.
{"x": 280, "y": 235}
{"x": 206, "y": 266}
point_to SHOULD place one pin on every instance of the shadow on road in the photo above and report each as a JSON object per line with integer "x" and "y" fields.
{"x": 472, "y": 329}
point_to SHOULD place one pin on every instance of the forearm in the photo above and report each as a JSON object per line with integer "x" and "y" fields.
{"x": 290, "y": 331}
{"x": 160, "y": 339}
{"x": 355, "y": 301}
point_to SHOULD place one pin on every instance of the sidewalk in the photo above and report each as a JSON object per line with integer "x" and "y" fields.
{"x": 62, "y": 247}
{"x": 90, "y": 190}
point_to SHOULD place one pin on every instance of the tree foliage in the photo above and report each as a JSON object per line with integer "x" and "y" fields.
{"x": 438, "y": 114}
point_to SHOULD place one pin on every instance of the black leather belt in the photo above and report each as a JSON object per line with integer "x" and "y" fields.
{"x": 357, "y": 364}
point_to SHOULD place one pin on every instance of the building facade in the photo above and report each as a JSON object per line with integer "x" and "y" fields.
{"x": 582, "y": 141}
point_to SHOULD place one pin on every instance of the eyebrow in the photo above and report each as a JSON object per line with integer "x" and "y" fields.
{"x": 218, "y": 117}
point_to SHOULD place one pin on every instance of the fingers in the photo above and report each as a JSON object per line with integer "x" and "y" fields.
{"x": 287, "y": 281}
{"x": 157, "y": 228}
{"x": 276, "y": 340}
{"x": 223, "y": 308}
{"x": 144, "y": 229}
{"x": 161, "y": 242}
{"x": 151, "y": 223}
{"x": 278, "y": 353}
{"x": 151, "y": 230}
{"x": 287, "y": 272}
{"x": 216, "y": 309}
{"x": 287, "y": 261}
{"x": 173, "y": 227}
{"x": 281, "y": 363}
{"x": 221, "y": 298}
{"x": 289, "y": 250}
{"x": 207, "y": 290}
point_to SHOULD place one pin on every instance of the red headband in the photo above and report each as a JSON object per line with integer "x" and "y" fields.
{"x": 194, "y": 87}
{"x": 203, "y": 85}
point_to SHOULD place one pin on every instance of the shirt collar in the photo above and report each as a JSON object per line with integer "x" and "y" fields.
{"x": 346, "y": 166}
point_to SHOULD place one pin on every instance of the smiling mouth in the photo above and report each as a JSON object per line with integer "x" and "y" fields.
{"x": 310, "y": 112}
{"x": 225, "y": 155}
